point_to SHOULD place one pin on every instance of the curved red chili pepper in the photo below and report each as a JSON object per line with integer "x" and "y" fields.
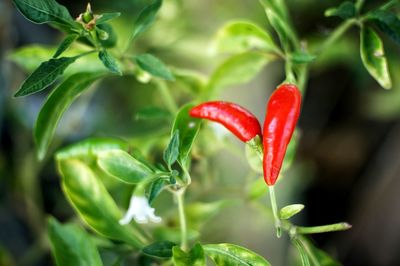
{"x": 283, "y": 111}
{"x": 235, "y": 118}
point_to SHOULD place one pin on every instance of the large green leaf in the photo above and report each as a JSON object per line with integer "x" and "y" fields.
{"x": 94, "y": 204}
{"x": 91, "y": 148}
{"x": 123, "y": 166}
{"x": 229, "y": 254}
{"x": 154, "y": 66}
{"x": 242, "y": 36}
{"x": 43, "y": 11}
{"x": 56, "y": 104}
{"x": 387, "y": 22}
{"x": 195, "y": 257}
{"x": 44, "y": 75}
{"x": 109, "y": 62}
{"x": 146, "y": 18}
{"x": 373, "y": 57}
{"x": 71, "y": 245}
{"x": 188, "y": 128}
{"x": 238, "y": 69}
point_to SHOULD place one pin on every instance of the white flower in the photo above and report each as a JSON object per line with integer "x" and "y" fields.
{"x": 140, "y": 210}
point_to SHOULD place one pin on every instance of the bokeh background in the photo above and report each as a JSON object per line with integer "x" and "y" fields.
{"x": 347, "y": 163}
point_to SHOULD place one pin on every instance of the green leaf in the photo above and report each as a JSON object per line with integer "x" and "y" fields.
{"x": 188, "y": 128}
{"x": 56, "y": 104}
{"x": 238, "y": 69}
{"x": 257, "y": 189}
{"x": 286, "y": 35}
{"x": 192, "y": 80}
{"x": 123, "y": 166}
{"x": 44, "y": 75}
{"x": 171, "y": 153}
{"x": 44, "y": 11}
{"x": 373, "y": 57}
{"x": 91, "y": 148}
{"x": 387, "y": 22}
{"x": 346, "y": 10}
{"x": 65, "y": 44}
{"x": 152, "y": 113}
{"x": 318, "y": 257}
{"x": 109, "y": 62}
{"x": 153, "y": 66}
{"x": 242, "y": 36}
{"x": 106, "y": 17}
{"x": 146, "y": 18}
{"x": 94, "y": 204}
{"x": 155, "y": 189}
{"x": 174, "y": 234}
{"x": 302, "y": 58}
{"x": 229, "y": 254}
{"x": 159, "y": 249}
{"x": 290, "y": 210}
{"x": 195, "y": 257}
{"x": 71, "y": 245}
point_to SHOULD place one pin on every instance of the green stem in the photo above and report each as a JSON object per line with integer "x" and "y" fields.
{"x": 182, "y": 219}
{"x": 336, "y": 34}
{"x": 166, "y": 96}
{"x": 275, "y": 210}
{"x": 303, "y": 253}
{"x": 323, "y": 228}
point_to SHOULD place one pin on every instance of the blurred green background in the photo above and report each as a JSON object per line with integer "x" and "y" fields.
{"x": 346, "y": 167}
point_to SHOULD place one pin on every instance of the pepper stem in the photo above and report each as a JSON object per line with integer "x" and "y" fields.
{"x": 182, "y": 219}
{"x": 275, "y": 211}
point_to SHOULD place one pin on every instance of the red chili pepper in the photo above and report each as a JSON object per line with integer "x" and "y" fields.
{"x": 235, "y": 118}
{"x": 283, "y": 111}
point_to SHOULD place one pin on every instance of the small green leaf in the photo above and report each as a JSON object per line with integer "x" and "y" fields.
{"x": 159, "y": 249}
{"x": 195, "y": 257}
{"x": 109, "y": 62}
{"x": 90, "y": 148}
{"x": 302, "y": 58}
{"x": 171, "y": 153}
{"x": 71, "y": 245}
{"x": 152, "y": 113}
{"x": 153, "y": 66}
{"x": 346, "y": 10}
{"x": 65, "y": 44}
{"x": 242, "y": 36}
{"x": 94, "y": 204}
{"x": 106, "y": 17}
{"x": 123, "y": 166}
{"x": 155, "y": 189}
{"x": 387, "y": 22}
{"x": 286, "y": 35}
{"x": 44, "y": 11}
{"x": 238, "y": 69}
{"x": 146, "y": 18}
{"x": 44, "y": 75}
{"x": 290, "y": 210}
{"x": 188, "y": 128}
{"x": 373, "y": 57}
{"x": 56, "y": 104}
{"x": 229, "y": 254}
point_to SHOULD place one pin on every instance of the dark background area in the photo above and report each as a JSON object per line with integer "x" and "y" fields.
{"x": 349, "y": 141}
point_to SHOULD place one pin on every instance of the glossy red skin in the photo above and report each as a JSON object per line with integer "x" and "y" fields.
{"x": 283, "y": 111}
{"x": 235, "y": 118}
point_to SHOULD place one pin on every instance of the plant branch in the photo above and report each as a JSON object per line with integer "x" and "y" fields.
{"x": 275, "y": 211}
{"x": 182, "y": 219}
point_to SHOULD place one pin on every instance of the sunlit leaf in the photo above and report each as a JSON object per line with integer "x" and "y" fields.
{"x": 195, "y": 257}
{"x": 242, "y": 36}
{"x": 94, "y": 204}
{"x": 109, "y": 62}
{"x": 237, "y": 70}
{"x": 56, "y": 104}
{"x": 44, "y": 75}
{"x": 188, "y": 128}
{"x": 159, "y": 249}
{"x": 373, "y": 57}
{"x": 154, "y": 66}
{"x": 146, "y": 18}
{"x": 71, "y": 245}
{"x": 229, "y": 254}
{"x": 123, "y": 166}
{"x": 290, "y": 210}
